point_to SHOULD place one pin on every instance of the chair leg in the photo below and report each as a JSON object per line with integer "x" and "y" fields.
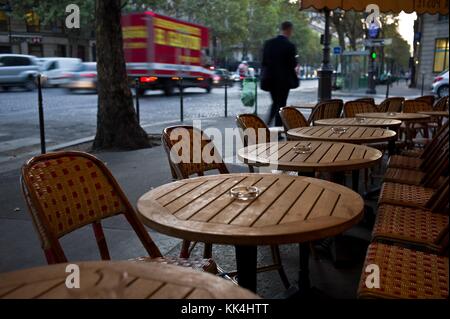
{"x": 276, "y": 257}
{"x": 251, "y": 169}
{"x": 207, "y": 251}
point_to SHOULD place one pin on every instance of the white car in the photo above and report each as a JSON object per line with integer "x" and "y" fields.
{"x": 440, "y": 84}
{"x": 56, "y": 71}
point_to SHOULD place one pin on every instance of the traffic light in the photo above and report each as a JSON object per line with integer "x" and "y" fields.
{"x": 373, "y": 55}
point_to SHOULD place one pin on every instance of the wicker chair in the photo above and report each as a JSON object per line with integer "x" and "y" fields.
{"x": 292, "y": 118}
{"x": 254, "y": 123}
{"x": 441, "y": 104}
{"x": 428, "y": 177}
{"x": 426, "y": 229}
{"x": 392, "y": 104}
{"x": 351, "y": 108}
{"x": 326, "y": 110}
{"x": 66, "y": 191}
{"x": 431, "y": 151}
{"x": 405, "y": 273}
{"x": 187, "y": 135}
{"x": 415, "y": 106}
{"x": 412, "y": 196}
{"x": 428, "y": 99}
{"x": 370, "y": 100}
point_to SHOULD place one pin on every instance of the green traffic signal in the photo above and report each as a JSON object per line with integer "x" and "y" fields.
{"x": 374, "y": 55}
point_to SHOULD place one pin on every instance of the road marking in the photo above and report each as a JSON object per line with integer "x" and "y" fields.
{"x": 18, "y": 143}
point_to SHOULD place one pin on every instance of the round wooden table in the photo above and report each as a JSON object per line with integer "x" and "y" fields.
{"x": 435, "y": 113}
{"x": 395, "y": 116}
{"x": 123, "y": 279}
{"x": 353, "y": 121}
{"x": 353, "y": 134}
{"x": 289, "y": 209}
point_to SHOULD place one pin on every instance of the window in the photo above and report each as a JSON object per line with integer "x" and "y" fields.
{"x": 440, "y": 55}
{"x": 3, "y": 21}
{"x": 61, "y": 50}
{"x": 35, "y": 49}
{"x": 14, "y": 61}
{"x": 32, "y": 21}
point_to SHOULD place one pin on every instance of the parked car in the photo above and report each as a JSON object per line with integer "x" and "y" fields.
{"x": 84, "y": 78}
{"x": 18, "y": 70}
{"x": 235, "y": 77}
{"x": 56, "y": 71}
{"x": 440, "y": 84}
{"x": 222, "y": 76}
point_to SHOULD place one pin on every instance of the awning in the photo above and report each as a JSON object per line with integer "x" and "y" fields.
{"x": 393, "y": 6}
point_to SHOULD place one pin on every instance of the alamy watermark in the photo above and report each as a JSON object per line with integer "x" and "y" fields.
{"x": 73, "y": 18}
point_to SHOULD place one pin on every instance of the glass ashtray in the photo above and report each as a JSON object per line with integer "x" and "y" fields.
{"x": 392, "y": 113}
{"x": 361, "y": 119}
{"x": 302, "y": 149}
{"x": 244, "y": 192}
{"x": 338, "y": 130}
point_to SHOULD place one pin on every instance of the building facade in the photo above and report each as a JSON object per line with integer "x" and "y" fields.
{"x": 29, "y": 36}
{"x": 431, "y": 47}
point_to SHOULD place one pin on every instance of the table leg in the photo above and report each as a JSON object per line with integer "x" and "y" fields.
{"x": 355, "y": 180}
{"x": 246, "y": 266}
{"x": 304, "y": 283}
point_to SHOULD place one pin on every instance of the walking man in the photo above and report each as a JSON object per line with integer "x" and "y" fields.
{"x": 278, "y": 73}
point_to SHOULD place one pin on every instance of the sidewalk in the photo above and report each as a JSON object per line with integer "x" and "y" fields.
{"x": 137, "y": 172}
{"x": 396, "y": 89}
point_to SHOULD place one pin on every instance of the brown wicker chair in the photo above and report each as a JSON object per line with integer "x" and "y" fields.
{"x": 292, "y": 118}
{"x": 392, "y": 104}
{"x": 422, "y": 229}
{"x": 370, "y": 100}
{"x": 253, "y": 122}
{"x": 441, "y": 104}
{"x": 186, "y": 135}
{"x": 66, "y": 191}
{"x": 351, "y": 108}
{"x": 405, "y": 273}
{"x": 326, "y": 110}
{"x": 428, "y": 99}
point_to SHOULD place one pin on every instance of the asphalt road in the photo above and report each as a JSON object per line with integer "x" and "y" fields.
{"x": 70, "y": 117}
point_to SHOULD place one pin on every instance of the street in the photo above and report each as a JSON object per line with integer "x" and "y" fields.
{"x": 70, "y": 117}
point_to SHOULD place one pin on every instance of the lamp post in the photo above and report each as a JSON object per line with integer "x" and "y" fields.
{"x": 326, "y": 70}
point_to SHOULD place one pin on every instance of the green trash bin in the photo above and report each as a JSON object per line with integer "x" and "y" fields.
{"x": 248, "y": 95}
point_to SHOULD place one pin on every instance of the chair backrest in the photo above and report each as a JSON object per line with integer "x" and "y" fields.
{"x": 441, "y": 104}
{"x": 392, "y": 104}
{"x": 438, "y": 168}
{"x": 370, "y": 100}
{"x": 438, "y": 202}
{"x": 252, "y": 129}
{"x": 65, "y": 191}
{"x": 414, "y": 106}
{"x": 351, "y": 108}
{"x": 429, "y": 99}
{"x": 179, "y": 139}
{"x": 292, "y": 118}
{"x": 326, "y": 110}
{"x": 435, "y": 146}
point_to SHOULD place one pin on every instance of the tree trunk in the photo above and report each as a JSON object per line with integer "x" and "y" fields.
{"x": 117, "y": 125}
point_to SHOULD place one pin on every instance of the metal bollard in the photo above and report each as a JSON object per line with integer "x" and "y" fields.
{"x": 226, "y": 97}
{"x": 256, "y": 95}
{"x": 137, "y": 101}
{"x": 41, "y": 115}
{"x": 423, "y": 83}
{"x": 181, "y": 100}
{"x": 387, "y": 87}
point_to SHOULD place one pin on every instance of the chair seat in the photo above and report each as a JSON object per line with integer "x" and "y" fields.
{"x": 405, "y": 176}
{"x": 204, "y": 264}
{"x": 405, "y": 195}
{"x": 405, "y": 273}
{"x": 405, "y": 162}
{"x": 416, "y": 152}
{"x": 410, "y": 225}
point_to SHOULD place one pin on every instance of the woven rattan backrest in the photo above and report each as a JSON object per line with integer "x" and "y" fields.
{"x": 180, "y": 139}
{"x": 436, "y": 169}
{"x": 68, "y": 190}
{"x": 392, "y": 104}
{"x": 414, "y": 106}
{"x": 252, "y": 122}
{"x": 367, "y": 100}
{"x": 441, "y": 104}
{"x": 351, "y": 108}
{"x": 438, "y": 202}
{"x": 292, "y": 118}
{"x": 428, "y": 99}
{"x": 436, "y": 145}
{"x": 326, "y": 110}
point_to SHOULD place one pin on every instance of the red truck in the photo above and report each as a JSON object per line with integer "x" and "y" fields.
{"x": 164, "y": 53}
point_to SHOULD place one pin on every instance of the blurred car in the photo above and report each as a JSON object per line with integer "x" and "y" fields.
{"x": 222, "y": 76}
{"x": 440, "y": 84}
{"x": 84, "y": 78}
{"x": 56, "y": 71}
{"x": 235, "y": 77}
{"x": 18, "y": 70}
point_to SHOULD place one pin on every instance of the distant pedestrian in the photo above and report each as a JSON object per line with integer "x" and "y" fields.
{"x": 278, "y": 73}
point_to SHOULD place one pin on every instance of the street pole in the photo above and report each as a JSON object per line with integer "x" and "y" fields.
{"x": 371, "y": 81}
{"x": 387, "y": 86}
{"x": 226, "y": 96}
{"x": 41, "y": 115}
{"x": 256, "y": 96}
{"x": 181, "y": 100}
{"x": 423, "y": 84}
{"x": 326, "y": 70}
{"x": 137, "y": 101}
